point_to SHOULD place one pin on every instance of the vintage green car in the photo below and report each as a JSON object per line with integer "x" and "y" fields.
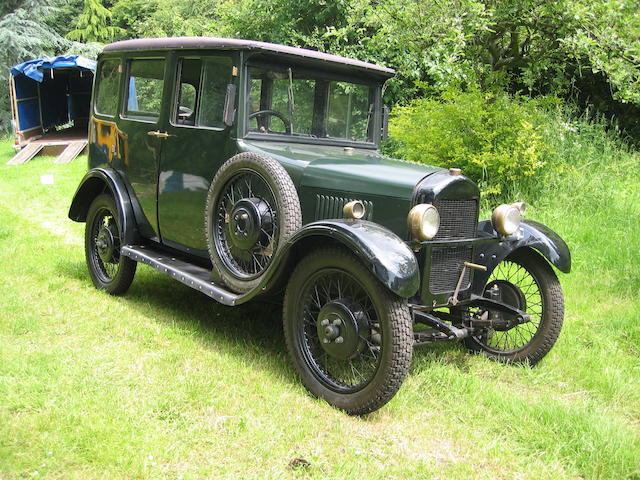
{"x": 243, "y": 168}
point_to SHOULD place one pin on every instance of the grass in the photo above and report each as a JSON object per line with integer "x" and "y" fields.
{"x": 165, "y": 383}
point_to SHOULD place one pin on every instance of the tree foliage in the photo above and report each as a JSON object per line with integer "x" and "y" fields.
{"x": 587, "y": 50}
{"x": 93, "y": 24}
{"x": 607, "y": 40}
{"x": 164, "y": 18}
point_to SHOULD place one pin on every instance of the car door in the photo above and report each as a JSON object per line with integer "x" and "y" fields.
{"x": 140, "y": 118}
{"x": 197, "y": 143}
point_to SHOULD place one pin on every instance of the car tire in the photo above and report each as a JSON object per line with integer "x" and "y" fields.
{"x": 109, "y": 270}
{"x": 252, "y": 210}
{"x": 535, "y": 289}
{"x": 364, "y": 371}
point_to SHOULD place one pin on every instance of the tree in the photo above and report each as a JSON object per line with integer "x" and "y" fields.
{"x": 93, "y": 24}
{"x": 607, "y": 40}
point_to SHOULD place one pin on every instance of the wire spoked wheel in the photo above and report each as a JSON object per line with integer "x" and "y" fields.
{"x": 246, "y": 224}
{"x": 340, "y": 334}
{"x": 525, "y": 281}
{"x": 349, "y": 337}
{"x": 108, "y": 269}
{"x": 252, "y": 210}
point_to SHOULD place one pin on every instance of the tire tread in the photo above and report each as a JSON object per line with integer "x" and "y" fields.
{"x": 401, "y": 331}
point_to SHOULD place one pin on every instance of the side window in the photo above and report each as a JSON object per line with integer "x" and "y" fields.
{"x": 108, "y": 85}
{"x": 144, "y": 89}
{"x": 201, "y": 91}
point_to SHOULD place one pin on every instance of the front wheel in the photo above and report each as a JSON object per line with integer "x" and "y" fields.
{"x": 109, "y": 270}
{"x": 350, "y": 339}
{"x": 526, "y": 281}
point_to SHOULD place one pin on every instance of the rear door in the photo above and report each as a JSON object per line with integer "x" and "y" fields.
{"x": 25, "y": 107}
{"x": 197, "y": 144}
{"x": 140, "y": 120}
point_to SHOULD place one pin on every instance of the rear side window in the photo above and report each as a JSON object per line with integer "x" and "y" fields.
{"x": 201, "y": 91}
{"x": 108, "y": 85}
{"x": 144, "y": 89}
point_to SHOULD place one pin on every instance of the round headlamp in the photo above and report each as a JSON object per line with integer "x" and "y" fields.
{"x": 506, "y": 218}
{"x": 423, "y": 221}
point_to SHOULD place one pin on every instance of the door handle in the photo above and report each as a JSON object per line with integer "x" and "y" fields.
{"x": 159, "y": 134}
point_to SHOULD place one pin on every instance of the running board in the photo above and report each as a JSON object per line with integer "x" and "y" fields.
{"x": 194, "y": 276}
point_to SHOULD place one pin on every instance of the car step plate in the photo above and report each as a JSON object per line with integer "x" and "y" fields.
{"x": 194, "y": 276}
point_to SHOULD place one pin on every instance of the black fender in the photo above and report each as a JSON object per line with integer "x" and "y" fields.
{"x": 382, "y": 251}
{"x": 530, "y": 235}
{"x": 95, "y": 182}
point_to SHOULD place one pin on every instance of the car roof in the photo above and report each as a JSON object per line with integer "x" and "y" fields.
{"x": 178, "y": 43}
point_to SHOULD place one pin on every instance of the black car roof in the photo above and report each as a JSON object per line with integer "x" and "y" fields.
{"x": 177, "y": 43}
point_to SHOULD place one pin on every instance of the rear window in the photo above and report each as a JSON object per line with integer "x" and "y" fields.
{"x": 145, "y": 80}
{"x": 108, "y": 86}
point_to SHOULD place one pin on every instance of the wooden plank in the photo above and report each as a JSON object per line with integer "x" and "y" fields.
{"x": 72, "y": 151}
{"x": 26, "y": 154}
{"x": 14, "y": 107}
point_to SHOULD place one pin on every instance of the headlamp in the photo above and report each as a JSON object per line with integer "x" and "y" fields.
{"x": 506, "y": 218}
{"x": 423, "y": 221}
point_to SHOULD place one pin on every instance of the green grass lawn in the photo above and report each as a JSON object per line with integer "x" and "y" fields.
{"x": 165, "y": 383}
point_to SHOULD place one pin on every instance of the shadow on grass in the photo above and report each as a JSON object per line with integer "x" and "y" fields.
{"x": 254, "y": 327}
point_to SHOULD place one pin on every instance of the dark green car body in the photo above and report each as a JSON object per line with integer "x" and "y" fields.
{"x": 242, "y": 168}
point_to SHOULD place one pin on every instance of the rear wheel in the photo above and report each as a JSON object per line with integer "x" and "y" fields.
{"x": 350, "y": 339}
{"x": 526, "y": 281}
{"x": 109, "y": 270}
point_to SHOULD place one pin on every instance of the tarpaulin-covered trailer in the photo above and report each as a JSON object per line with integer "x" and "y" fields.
{"x": 50, "y": 100}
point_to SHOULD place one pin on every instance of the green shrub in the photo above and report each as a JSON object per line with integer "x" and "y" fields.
{"x": 495, "y": 139}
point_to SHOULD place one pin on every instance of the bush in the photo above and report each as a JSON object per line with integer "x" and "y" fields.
{"x": 495, "y": 139}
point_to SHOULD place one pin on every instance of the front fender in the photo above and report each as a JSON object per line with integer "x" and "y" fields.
{"x": 532, "y": 235}
{"x": 95, "y": 182}
{"x": 382, "y": 251}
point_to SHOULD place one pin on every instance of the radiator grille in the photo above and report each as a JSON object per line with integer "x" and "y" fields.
{"x": 328, "y": 206}
{"x": 458, "y": 219}
{"x": 446, "y": 266}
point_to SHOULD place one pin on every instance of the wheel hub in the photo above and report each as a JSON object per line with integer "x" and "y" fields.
{"x": 105, "y": 244}
{"x": 510, "y": 294}
{"x": 247, "y": 222}
{"x": 341, "y": 326}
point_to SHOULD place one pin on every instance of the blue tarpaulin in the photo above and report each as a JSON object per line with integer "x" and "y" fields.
{"x": 34, "y": 68}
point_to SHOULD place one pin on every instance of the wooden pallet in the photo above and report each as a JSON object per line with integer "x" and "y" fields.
{"x": 72, "y": 151}
{"x": 26, "y": 154}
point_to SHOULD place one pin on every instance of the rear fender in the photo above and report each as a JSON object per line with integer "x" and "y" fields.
{"x": 96, "y": 182}
{"x": 532, "y": 235}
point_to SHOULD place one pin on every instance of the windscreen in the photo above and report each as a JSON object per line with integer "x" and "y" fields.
{"x": 288, "y": 101}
